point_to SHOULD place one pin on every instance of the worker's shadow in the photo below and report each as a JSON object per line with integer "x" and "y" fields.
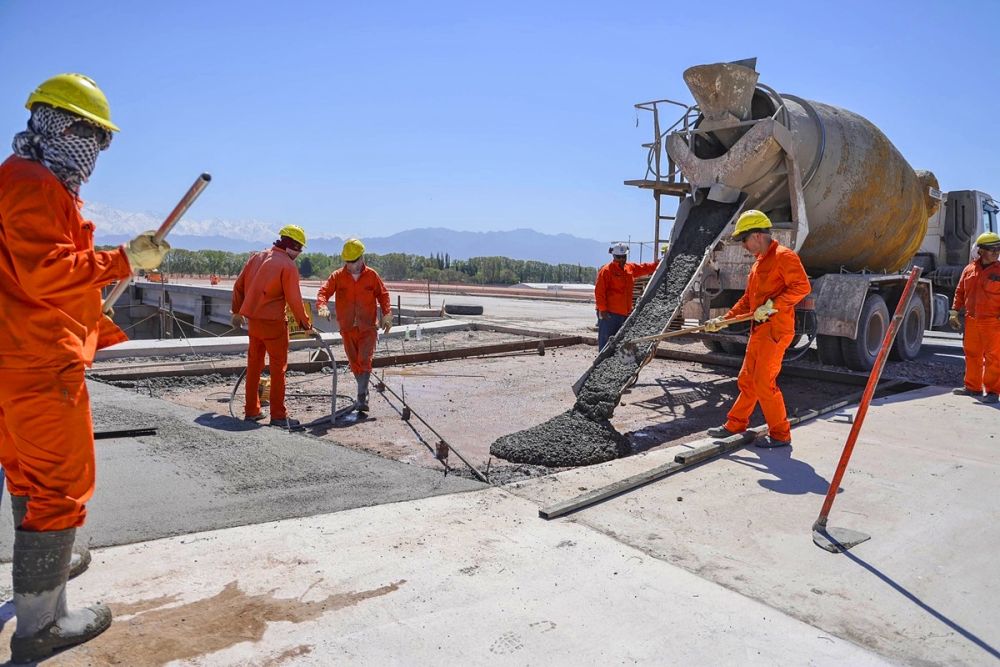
{"x": 896, "y": 586}
{"x": 792, "y": 477}
{"x": 226, "y": 423}
{"x": 687, "y": 404}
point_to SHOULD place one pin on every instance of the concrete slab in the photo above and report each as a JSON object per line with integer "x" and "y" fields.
{"x": 203, "y": 470}
{"x": 922, "y": 482}
{"x": 468, "y": 579}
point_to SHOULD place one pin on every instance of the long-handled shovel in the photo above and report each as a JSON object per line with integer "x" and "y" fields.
{"x": 631, "y": 344}
{"x": 183, "y": 205}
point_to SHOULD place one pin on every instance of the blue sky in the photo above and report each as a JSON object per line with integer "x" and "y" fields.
{"x": 371, "y": 118}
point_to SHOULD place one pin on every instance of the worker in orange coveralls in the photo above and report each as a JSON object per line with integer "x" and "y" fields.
{"x": 50, "y": 327}
{"x": 978, "y": 292}
{"x": 356, "y": 290}
{"x": 776, "y": 283}
{"x": 268, "y": 281}
{"x": 613, "y": 291}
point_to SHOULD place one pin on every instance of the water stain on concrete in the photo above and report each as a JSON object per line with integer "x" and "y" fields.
{"x": 288, "y": 655}
{"x": 160, "y": 634}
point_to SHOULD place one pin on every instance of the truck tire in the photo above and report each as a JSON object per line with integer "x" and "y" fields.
{"x": 735, "y": 348}
{"x": 860, "y": 354}
{"x": 829, "y": 351}
{"x": 462, "y": 309}
{"x": 712, "y": 345}
{"x": 911, "y": 332}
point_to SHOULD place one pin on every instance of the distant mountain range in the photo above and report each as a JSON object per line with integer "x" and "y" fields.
{"x": 114, "y": 226}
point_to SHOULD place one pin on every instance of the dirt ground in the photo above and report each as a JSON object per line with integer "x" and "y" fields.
{"x": 471, "y": 402}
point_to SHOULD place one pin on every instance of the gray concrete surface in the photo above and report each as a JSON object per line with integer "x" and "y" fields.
{"x": 203, "y": 471}
{"x": 467, "y": 579}
{"x": 923, "y": 482}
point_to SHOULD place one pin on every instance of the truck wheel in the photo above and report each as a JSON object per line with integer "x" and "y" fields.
{"x": 860, "y": 354}
{"x": 829, "y": 350}
{"x": 911, "y": 332}
{"x": 712, "y": 345}
{"x": 732, "y": 347}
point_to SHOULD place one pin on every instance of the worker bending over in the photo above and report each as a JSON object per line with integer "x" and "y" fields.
{"x": 613, "y": 291}
{"x": 268, "y": 281}
{"x": 776, "y": 283}
{"x": 51, "y": 326}
{"x": 978, "y": 292}
{"x": 356, "y": 289}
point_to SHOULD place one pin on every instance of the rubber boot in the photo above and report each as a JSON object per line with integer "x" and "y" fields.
{"x": 44, "y": 625}
{"x": 78, "y": 562}
{"x": 362, "y": 379}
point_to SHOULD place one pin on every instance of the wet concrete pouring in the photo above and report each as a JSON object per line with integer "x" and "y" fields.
{"x": 584, "y": 435}
{"x": 204, "y": 469}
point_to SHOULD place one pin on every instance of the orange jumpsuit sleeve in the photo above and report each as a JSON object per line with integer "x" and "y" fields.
{"x": 601, "y": 289}
{"x": 326, "y": 291}
{"x": 741, "y": 307}
{"x": 644, "y": 269}
{"x": 43, "y": 253}
{"x": 382, "y": 295}
{"x": 959, "y": 301}
{"x": 240, "y": 287}
{"x": 293, "y": 295}
{"x": 796, "y": 281}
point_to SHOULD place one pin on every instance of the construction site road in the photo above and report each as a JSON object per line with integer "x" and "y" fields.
{"x": 204, "y": 470}
{"x": 714, "y": 566}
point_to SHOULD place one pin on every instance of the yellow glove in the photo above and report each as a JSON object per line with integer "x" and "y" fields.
{"x": 323, "y": 311}
{"x": 715, "y": 324}
{"x": 953, "y": 320}
{"x": 765, "y": 311}
{"x": 386, "y": 322}
{"x": 237, "y": 321}
{"x": 144, "y": 253}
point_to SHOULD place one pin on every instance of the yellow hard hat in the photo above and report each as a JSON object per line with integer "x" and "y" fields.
{"x": 77, "y": 94}
{"x": 353, "y": 248}
{"x": 751, "y": 221}
{"x": 294, "y": 232}
{"x": 989, "y": 241}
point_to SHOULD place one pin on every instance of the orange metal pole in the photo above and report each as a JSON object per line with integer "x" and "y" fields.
{"x": 866, "y": 397}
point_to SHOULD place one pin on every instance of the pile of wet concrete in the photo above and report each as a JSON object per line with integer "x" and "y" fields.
{"x": 584, "y": 435}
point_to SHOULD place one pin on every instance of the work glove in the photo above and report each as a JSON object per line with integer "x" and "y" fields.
{"x": 323, "y": 311}
{"x": 715, "y": 324}
{"x": 386, "y": 322}
{"x": 764, "y": 311}
{"x": 953, "y": 320}
{"x": 602, "y": 314}
{"x": 237, "y": 321}
{"x": 144, "y": 253}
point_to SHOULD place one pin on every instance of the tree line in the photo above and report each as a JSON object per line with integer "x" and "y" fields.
{"x": 393, "y": 266}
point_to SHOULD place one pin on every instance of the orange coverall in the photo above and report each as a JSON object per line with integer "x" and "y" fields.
{"x": 777, "y": 275}
{"x": 269, "y": 280}
{"x": 355, "y": 302}
{"x": 50, "y": 327}
{"x": 613, "y": 290}
{"x": 978, "y": 292}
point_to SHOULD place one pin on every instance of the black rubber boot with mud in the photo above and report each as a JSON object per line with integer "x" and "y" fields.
{"x": 363, "y": 379}
{"x": 44, "y": 625}
{"x": 767, "y": 442}
{"x": 78, "y": 562}
{"x": 964, "y": 391}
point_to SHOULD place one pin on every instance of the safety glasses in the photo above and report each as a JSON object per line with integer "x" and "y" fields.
{"x": 82, "y": 128}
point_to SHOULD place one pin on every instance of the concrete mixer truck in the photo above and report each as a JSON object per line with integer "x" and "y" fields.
{"x": 837, "y": 191}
